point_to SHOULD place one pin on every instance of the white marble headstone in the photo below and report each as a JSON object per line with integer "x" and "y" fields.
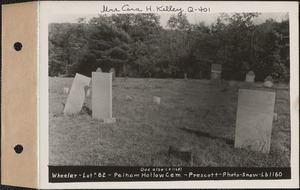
{"x": 101, "y": 95}
{"x": 77, "y": 94}
{"x": 254, "y": 120}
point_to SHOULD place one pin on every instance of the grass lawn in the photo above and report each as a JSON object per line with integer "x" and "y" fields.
{"x": 144, "y": 130}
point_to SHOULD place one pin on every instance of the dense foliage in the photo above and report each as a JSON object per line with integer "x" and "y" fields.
{"x": 137, "y": 46}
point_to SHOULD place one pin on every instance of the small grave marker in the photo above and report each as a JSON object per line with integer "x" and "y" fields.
{"x": 254, "y": 120}
{"x": 269, "y": 78}
{"x": 66, "y": 90}
{"x": 101, "y": 95}
{"x": 268, "y": 82}
{"x": 216, "y": 70}
{"x": 185, "y": 76}
{"x": 110, "y": 120}
{"x": 156, "y": 100}
{"x": 99, "y": 70}
{"x": 77, "y": 94}
{"x": 129, "y": 98}
{"x": 250, "y": 76}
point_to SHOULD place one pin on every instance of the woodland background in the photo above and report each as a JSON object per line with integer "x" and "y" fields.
{"x": 136, "y": 45}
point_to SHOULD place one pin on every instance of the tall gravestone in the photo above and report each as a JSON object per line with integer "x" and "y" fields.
{"x": 113, "y": 72}
{"x": 254, "y": 120}
{"x": 216, "y": 70}
{"x": 101, "y": 95}
{"x": 77, "y": 94}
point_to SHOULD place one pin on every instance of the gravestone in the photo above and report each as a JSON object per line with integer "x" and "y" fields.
{"x": 269, "y": 78}
{"x": 254, "y": 120}
{"x": 113, "y": 72}
{"x": 216, "y": 70}
{"x": 109, "y": 120}
{"x": 156, "y": 100}
{"x": 185, "y": 76}
{"x": 101, "y": 95}
{"x": 99, "y": 69}
{"x": 77, "y": 94}
{"x": 250, "y": 76}
{"x": 268, "y": 82}
{"x": 66, "y": 90}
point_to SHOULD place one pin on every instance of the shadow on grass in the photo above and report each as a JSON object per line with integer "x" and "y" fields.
{"x": 205, "y": 134}
{"x": 86, "y": 110}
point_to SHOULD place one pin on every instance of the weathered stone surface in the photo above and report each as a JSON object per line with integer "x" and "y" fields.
{"x": 77, "y": 94}
{"x": 254, "y": 120}
{"x": 101, "y": 95}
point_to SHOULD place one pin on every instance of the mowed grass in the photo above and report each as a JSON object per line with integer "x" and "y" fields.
{"x": 144, "y": 130}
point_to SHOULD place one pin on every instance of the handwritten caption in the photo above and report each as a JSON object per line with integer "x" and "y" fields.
{"x": 82, "y": 174}
{"x": 155, "y": 9}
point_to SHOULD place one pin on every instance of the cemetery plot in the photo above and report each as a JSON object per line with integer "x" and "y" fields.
{"x": 197, "y": 118}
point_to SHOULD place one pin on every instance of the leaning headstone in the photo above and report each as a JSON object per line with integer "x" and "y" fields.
{"x": 268, "y": 82}
{"x": 101, "y": 95}
{"x": 269, "y": 78}
{"x": 77, "y": 94}
{"x": 113, "y": 72}
{"x": 216, "y": 70}
{"x": 99, "y": 69}
{"x": 254, "y": 120}
{"x": 250, "y": 76}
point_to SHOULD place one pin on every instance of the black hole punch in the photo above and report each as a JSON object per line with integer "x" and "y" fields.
{"x": 18, "y": 149}
{"x": 18, "y": 46}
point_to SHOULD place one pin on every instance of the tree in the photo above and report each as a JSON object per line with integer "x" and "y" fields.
{"x": 109, "y": 44}
{"x": 233, "y": 33}
{"x": 67, "y": 45}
